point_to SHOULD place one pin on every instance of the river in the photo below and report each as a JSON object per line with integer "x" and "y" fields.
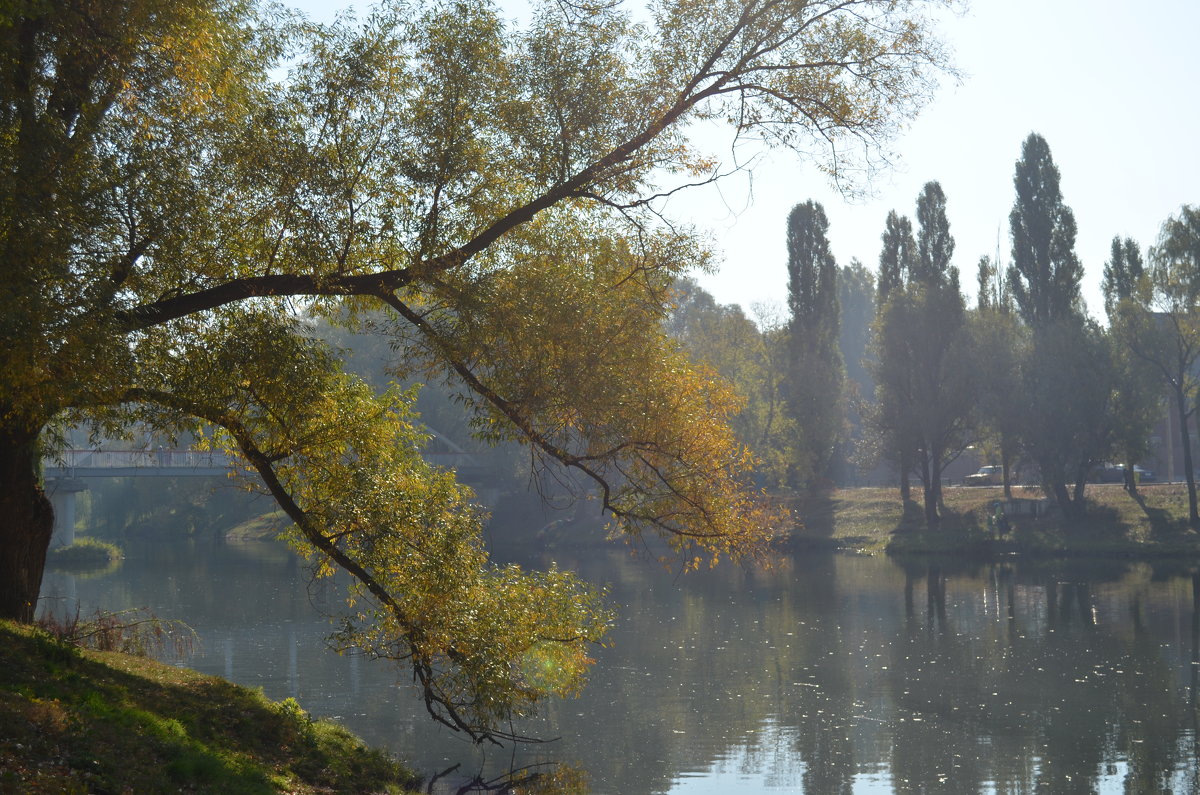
{"x": 824, "y": 673}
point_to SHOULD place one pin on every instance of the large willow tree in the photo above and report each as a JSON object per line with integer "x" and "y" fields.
{"x": 182, "y": 178}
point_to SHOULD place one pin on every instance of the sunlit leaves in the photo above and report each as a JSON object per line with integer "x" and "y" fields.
{"x": 567, "y": 346}
{"x": 173, "y": 171}
{"x": 486, "y": 643}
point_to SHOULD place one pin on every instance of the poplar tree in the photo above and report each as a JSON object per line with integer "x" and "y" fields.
{"x": 890, "y": 419}
{"x": 944, "y": 372}
{"x": 1067, "y": 387}
{"x": 816, "y": 371}
{"x": 1045, "y": 272}
{"x": 1123, "y": 272}
{"x": 898, "y": 256}
{"x": 922, "y": 361}
{"x": 1136, "y": 403}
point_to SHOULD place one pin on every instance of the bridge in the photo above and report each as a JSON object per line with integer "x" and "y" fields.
{"x": 65, "y": 473}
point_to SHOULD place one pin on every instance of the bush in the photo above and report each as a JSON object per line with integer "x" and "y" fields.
{"x": 85, "y": 553}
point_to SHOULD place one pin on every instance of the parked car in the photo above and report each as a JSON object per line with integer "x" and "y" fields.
{"x": 1115, "y": 473}
{"x": 986, "y": 476}
{"x": 1142, "y": 475}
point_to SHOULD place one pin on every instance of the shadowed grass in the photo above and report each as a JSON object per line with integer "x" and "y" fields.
{"x": 87, "y": 721}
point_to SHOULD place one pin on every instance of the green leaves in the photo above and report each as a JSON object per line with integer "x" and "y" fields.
{"x": 171, "y": 203}
{"x": 486, "y": 643}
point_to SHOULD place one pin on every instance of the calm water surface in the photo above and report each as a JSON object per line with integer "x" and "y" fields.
{"x": 823, "y": 674}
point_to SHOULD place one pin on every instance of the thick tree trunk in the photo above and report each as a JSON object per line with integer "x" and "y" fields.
{"x": 26, "y": 523}
{"x": 932, "y": 519}
{"x": 1063, "y": 497}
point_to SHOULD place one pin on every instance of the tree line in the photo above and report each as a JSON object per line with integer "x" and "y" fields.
{"x": 893, "y": 366}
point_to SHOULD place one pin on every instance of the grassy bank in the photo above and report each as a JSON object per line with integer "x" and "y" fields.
{"x": 87, "y": 721}
{"x": 85, "y": 553}
{"x": 875, "y": 520}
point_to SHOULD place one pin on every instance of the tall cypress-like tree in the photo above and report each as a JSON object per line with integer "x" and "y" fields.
{"x": 816, "y": 370}
{"x": 892, "y": 435}
{"x": 856, "y": 296}
{"x": 1045, "y": 272}
{"x": 898, "y": 256}
{"x": 922, "y": 361}
{"x": 935, "y": 245}
{"x": 1136, "y": 399}
{"x": 1121, "y": 273}
{"x": 941, "y": 345}
{"x": 1067, "y": 429}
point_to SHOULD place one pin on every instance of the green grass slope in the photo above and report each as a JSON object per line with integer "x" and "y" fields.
{"x": 75, "y": 721}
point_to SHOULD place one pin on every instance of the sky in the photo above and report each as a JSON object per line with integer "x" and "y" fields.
{"x": 1114, "y": 88}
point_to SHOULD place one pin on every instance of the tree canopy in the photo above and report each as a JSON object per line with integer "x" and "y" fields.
{"x": 1045, "y": 272}
{"x": 172, "y": 202}
{"x": 815, "y": 368}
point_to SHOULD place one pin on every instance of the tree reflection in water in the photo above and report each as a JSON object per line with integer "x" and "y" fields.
{"x": 822, "y": 674}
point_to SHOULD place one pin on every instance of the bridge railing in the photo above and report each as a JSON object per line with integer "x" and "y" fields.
{"x": 156, "y": 458}
{"x": 195, "y": 459}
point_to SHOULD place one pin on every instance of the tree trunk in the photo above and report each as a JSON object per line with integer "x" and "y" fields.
{"x": 905, "y": 488}
{"x": 931, "y": 507}
{"x": 1006, "y": 469}
{"x": 1131, "y": 484}
{"x": 1186, "y": 442}
{"x": 935, "y": 477}
{"x": 26, "y": 523}
{"x": 1080, "y": 485}
{"x": 1059, "y": 489}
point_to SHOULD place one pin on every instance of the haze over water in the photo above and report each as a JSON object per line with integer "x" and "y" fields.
{"x": 826, "y": 673}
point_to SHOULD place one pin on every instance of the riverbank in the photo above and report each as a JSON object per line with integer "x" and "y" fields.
{"x": 75, "y": 720}
{"x": 876, "y": 520}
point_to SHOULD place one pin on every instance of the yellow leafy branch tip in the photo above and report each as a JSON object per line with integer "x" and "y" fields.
{"x": 486, "y": 643}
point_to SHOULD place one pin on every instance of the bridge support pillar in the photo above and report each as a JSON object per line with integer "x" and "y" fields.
{"x": 62, "y": 493}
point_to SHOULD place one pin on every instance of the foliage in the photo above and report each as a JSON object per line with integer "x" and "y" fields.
{"x": 923, "y": 360}
{"x": 856, "y": 299}
{"x": 1067, "y": 391}
{"x": 85, "y": 553}
{"x": 170, "y": 204}
{"x": 1001, "y": 345}
{"x": 1137, "y": 399}
{"x": 898, "y": 257}
{"x": 1045, "y": 272}
{"x": 993, "y": 291}
{"x": 1176, "y": 260}
{"x": 1159, "y": 323}
{"x": 750, "y": 356}
{"x": 1123, "y": 274}
{"x": 816, "y": 373}
{"x": 1068, "y": 385}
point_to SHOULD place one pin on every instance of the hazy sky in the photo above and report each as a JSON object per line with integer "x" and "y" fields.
{"x": 1113, "y": 87}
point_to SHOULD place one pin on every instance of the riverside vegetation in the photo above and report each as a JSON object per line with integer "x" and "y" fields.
{"x": 80, "y": 720}
{"x": 876, "y": 520}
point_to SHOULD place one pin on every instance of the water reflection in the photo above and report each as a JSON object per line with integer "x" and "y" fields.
{"x": 823, "y": 674}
